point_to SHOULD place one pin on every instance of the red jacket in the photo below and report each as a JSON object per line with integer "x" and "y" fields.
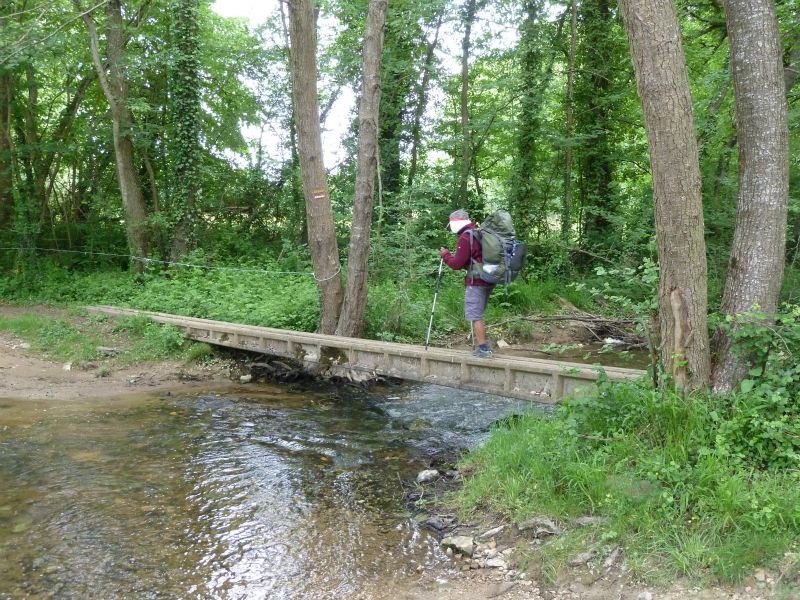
{"x": 460, "y": 260}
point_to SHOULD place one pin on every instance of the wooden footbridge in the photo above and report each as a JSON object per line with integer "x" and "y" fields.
{"x": 527, "y": 378}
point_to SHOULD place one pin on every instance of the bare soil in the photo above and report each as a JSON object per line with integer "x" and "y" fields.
{"x": 480, "y": 585}
{"x": 27, "y": 375}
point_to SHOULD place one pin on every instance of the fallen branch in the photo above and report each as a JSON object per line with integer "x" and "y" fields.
{"x": 585, "y": 319}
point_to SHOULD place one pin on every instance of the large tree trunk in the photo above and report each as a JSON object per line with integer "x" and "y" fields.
{"x": 597, "y": 172}
{"x": 319, "y": 214}
{"x": 115, "y": 88}
{"x": 296, "y": 184}
{"x": 757, "y": 255}
{"x": 351, "y": 321}
{"x": 528, "y": 207}
{"x": 663, "y": 83}
{"x": 6, "y": 199}
{"x": 397, "y": 83}
{"x": 186, "y": 106}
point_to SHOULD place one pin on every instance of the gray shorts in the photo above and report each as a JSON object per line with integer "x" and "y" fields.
{"x": 476, "y": 297}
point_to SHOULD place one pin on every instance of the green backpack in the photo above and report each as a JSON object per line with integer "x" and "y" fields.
{"x": 503, "y": 255}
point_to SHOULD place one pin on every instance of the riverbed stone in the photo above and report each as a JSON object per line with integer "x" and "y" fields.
{"x": 419, "y": 424}
{"x": 582, "y": 558}
{"x": 542, "y": 526}
{"x": 435, "y": 522}
{"x": 611, "y": 559}
{"x": 427, "y": 475}
{"x": 462, "y": 544}
{"x": 487, "y": 535}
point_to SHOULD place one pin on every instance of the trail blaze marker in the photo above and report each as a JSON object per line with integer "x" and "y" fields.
{"x": 319, "y": 194}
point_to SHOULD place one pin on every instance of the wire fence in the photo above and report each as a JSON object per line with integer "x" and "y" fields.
{"x": 148, "y": 261}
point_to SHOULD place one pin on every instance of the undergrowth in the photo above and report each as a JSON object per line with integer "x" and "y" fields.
{"x": 397, "y": 309}
{"x": 704, "y": 486}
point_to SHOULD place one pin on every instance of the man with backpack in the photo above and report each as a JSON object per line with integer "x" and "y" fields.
{"x": 476, "y": 296}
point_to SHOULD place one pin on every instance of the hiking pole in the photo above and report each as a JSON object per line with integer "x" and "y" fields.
{"x": 433, "y": 308}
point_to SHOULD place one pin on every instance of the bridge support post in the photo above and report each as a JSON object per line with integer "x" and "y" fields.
{"x": 557, "y": 392}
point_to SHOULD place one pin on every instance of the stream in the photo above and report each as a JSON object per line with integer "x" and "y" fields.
{"x": 255, "y": 492}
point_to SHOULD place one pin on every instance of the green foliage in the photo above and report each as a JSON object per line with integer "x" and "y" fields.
{"x": 762, "y": 424}
{"x": 663, "y": 469}
{"x": 632, "y": 291}
{"x": 63, "y": 340}
{"x": 56, "y": 338}
{"x": 287, "y": 302}
{"x": 198, "y": 351}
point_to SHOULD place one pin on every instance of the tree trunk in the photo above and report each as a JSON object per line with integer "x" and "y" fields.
{"x": 186, "y": 104}
{"x": 757, "y": 255}
{"x": 6, "y": 198}
{"x": 296, "y": 184}
{"x": 597, "y": 72}
{"x": 115, "y": 88}
{"x": 351, "y": 321}
{"x": 663, "y": 83}
{"x": 466, "y": 134}
{"x": 319, "y": 214}
{"x": 422, "y": 100}
{"x": 566, "y": 212}
{"x": 529, "y": 210}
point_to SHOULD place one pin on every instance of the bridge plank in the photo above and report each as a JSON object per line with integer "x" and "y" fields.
{"x": 528, "y": 378}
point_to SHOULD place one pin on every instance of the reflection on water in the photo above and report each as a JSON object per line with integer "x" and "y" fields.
{"x": 269, "y": 495}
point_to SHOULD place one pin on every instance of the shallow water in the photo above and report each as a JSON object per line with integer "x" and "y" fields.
{"x": 254, "y": 495}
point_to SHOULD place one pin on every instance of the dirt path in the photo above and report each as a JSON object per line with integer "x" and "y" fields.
{"x": 24, "y": 374}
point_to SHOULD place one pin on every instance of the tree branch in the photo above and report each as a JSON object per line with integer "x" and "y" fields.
{"x": 98, "y": 61}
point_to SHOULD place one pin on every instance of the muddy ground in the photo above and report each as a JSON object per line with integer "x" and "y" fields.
{"x": 23, "y": 376}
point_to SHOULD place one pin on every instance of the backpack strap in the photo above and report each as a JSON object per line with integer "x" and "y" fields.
{"x": 471, "y": 233}
{"x": 474, "y": 271}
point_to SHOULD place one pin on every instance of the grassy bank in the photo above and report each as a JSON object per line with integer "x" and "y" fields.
{"x": 397, "y": 310}
{"x": 78, "y": 339}
{"x": 704, "y": 487}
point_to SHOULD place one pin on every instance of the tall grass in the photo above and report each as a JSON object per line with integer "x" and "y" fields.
{"x": 657, "y": 465}
{"x": 397, "y": 308}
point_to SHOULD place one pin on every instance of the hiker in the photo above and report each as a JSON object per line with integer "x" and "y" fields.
{"x": 476, "y": 295}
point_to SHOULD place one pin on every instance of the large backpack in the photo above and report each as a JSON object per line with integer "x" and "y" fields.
{"x": 503, "y": 254}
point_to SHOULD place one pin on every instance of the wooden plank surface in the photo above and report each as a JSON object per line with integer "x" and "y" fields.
{"x": 528, "y": 378}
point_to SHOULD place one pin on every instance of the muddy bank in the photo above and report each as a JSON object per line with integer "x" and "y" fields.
{"x": 30, "y": 375}
{"x": 492, "y": 556}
